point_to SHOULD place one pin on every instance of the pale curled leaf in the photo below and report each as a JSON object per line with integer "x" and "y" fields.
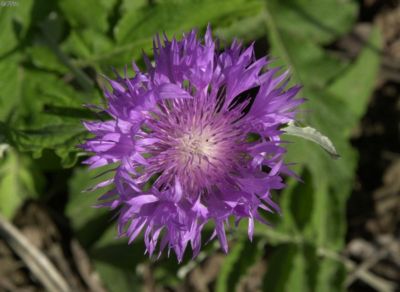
{"x": 312, "y": 135}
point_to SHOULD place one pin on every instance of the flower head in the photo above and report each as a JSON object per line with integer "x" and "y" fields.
{"x": 184, "y": 125}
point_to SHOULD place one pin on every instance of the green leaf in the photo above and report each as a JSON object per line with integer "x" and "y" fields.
{"x": 60, "y": 138}
{"x": 42, "y": 57}
{"x": 313, "y": 68}
{"x": 37, "y": 126}
{"x": 50, "y": 32}
{"x": 297, "y": 267}
{"x": 82, "y": 14}
{"x": 331, "y": 276}
{"x": 16, "y": 182}
{"x": 301, "y": 201}
{"x": 175, "y": 17}
{"x": 117, "y": 262}
{"x": 135, "y": 30}
{"x": 297, "y": 280}
{"x": 313, "y": 20}
{"x": 14, "y": 23}
{"x": 247, "y": 29}
{"x": 240, "y": 258}
{"x": 114, "y": 260}
{"x": 354, "y": 87}
{"x": 11, "y": 79}
{"x": 314, "y": 211}
{"x": 279, "y": 268}
{"x": 87, "y": 222}
{"x": 128, "y": 5}
{"x": 86, "y": 43}
{"x": 297, "y": 27}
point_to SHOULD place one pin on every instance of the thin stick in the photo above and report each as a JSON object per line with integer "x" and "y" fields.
{"x": 35, "y": 260}
{"x": 363, "y": 274}
{"x": 365, "y": 266}
{"x": 371, "y": 279}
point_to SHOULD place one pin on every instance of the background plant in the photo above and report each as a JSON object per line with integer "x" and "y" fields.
{"x": 51, "y": 55}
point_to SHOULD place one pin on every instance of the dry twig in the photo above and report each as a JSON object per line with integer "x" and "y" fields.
{"x": 35, "y": 260}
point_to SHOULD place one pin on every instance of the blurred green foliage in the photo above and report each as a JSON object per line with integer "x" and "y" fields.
{"x": 51, "y": 53}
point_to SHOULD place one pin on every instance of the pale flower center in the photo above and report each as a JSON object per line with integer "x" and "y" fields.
{"x": 197, "y": 149}
{"x": 196, "y": 145}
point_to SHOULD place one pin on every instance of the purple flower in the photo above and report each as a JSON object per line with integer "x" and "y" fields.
{"x": 185, "y": 125}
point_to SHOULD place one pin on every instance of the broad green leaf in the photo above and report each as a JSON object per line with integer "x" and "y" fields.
{"x": 247, "y": 29}
{"x": 42, "y": 57}
{"x": 11, "y": 79}
{"x": 83, "y": 14}
{"x": 14, "y": 24}
{"x": 117, "y": 262}
{"x": 296, "y": 27}
{"x": 354, "y": 87}
{"x": 86, "y": 43}
{"x": 62, "y": 139}
{"x": 315, "y": 273}
{"x": 298, "y": 267}
{"x": 176, "y": 17}
{"x": 331, "y": 276}
{"x": 137, "y": 27}
{"x": 314, "y": 69}
{"x": 297, "y": 280}
{"x": 301, "y": 201}
{"x": 308, "y": 62}
{"x": 51, "y": 31}
{"x": 166, "y": 270}
{"x": 240, "y": 258}
{"x": 279, "y": 268}
{"x": 16, "y": 182}
{"x": 37, "y": 125}
{"x": 228, "y": 267}
{"x": 116, "y": 279}
{"x": 314, "y": 211}
{"x": 128, "y": 5}
{"x": 87, "y": 222}
{"x": 318, "y": 21}
{"x": 114, "y": 260}
{"x": 312, "y": 266}
{"x": 324, "y": 192}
